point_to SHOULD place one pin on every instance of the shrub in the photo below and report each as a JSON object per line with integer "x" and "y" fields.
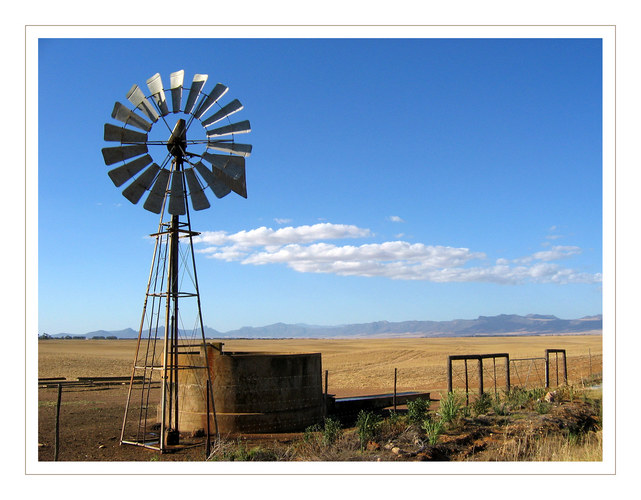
{"x": 482, "y": 404}
{"x": 367, "y": 425}
{"x": 500, "y": 407}
{"x": 433, "y": 429}
{"x": 331, "y": 431}
{"x": 450, "y": 407}
{"x": 394, "y": 418}
{"x": 394, "y": 424}
{"x": 542, "y": 407}
{"x": 515, "y": 397}
{"x": 417, "y": 410}
{"x": 309, "y": 435}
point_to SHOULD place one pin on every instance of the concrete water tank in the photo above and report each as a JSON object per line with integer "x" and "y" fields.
{"x": 254, "y": 392}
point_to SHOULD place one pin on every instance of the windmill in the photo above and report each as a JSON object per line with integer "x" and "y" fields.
{"x": 171, "y": 166}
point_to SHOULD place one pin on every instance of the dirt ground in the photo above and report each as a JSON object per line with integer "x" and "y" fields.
{"x": 90, "y": 426}
{"x": 91, "y": 417}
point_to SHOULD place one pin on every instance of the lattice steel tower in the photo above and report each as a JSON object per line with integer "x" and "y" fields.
{"x": 170, "y": 345}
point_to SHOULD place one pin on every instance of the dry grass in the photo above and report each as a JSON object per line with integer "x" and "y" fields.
{"x": 355, "y": 366}
{"x": 533, "y": 447}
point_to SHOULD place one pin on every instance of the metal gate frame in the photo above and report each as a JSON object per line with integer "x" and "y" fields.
{"x": 479, "y": 358}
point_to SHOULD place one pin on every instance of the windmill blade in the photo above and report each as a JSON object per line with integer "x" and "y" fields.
{"x": 123, "y": 135}
{"x": 217, "y": 93}
{"x": 122, "y": 153}
{"x": 219, "y": 188}
{"x": 234, "y": 166}
{"x": 158, "y": 93}
{"x": 224, "y": 112}
{"x": 196, "y": 86}
{"x": 198, "y": 198}
{"x": 230, "y": 170}
{"x": 176, "y": 86}
{"x": 138, "y": 99}
{"x": 123, "y": 173}
{"x": 231, "y": 147}
{"x": 142, "y": 183}
{"x": 153, "y": 203}
{"x": 128, "y": 117}
{"x": 235, "y": 128}
{"x": 177, "y": 194}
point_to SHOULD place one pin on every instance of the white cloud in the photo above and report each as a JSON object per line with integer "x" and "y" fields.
{"x": 263, "y": 236}
{"x": 390, "y": 251}
{"x": 282, "y": 221}
{"x": 556, "y": 236}
{"x": 305, "y": 249}
{"x": 395, "y": 218}
{"x": 554, "y": 253}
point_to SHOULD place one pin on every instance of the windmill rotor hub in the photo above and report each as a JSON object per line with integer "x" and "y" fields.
{"x": 177, "y": 143}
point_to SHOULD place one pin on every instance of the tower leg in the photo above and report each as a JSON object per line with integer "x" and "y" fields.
{"x": 168, "y": 359}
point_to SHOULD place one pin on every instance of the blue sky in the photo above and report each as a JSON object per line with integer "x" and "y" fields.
{"x": 390, "y": 179}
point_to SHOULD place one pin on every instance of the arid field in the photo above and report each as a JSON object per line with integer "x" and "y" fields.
{"x": 357, "y": 366}
{"x": 91, "y": 417}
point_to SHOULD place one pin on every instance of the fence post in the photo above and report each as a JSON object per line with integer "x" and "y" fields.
{"x": 547, "y": 369}
{"x": 325, "y": 397}
{"x": 208, "y": 446}
{"x": 467, "y": 390}
{"x": 449, "y": 374}
{"x": 494, "y": 367}
{"x": 480, "y": 376}
{"x": 57, "y": 441}
{"x": 507, "y": 372}
{"x": 394, "y": 389}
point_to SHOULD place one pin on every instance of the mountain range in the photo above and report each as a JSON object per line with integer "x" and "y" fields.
{"x": 483, "y": 326}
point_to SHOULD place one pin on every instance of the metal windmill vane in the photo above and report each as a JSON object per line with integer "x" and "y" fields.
{"x": 170, "y": 171}
{"x": 227, "y": 172}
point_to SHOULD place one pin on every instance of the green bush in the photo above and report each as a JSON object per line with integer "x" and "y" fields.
{"x": 501, "y": 408}
{"x": 310, "y": 433}
{"x": 417, "y": 410}
{"x": 482, "y": 404}
{"x": 367, "y": 425}
{"x": 450, "y": 407}
{"x": 331, "y": 431}
{"x": 433, "y": 429}
{"x": 542, "y": 407}
{"x": 324, "y": 435}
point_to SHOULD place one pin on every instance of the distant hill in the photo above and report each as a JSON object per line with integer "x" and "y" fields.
{"x": 483, "y": 326}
